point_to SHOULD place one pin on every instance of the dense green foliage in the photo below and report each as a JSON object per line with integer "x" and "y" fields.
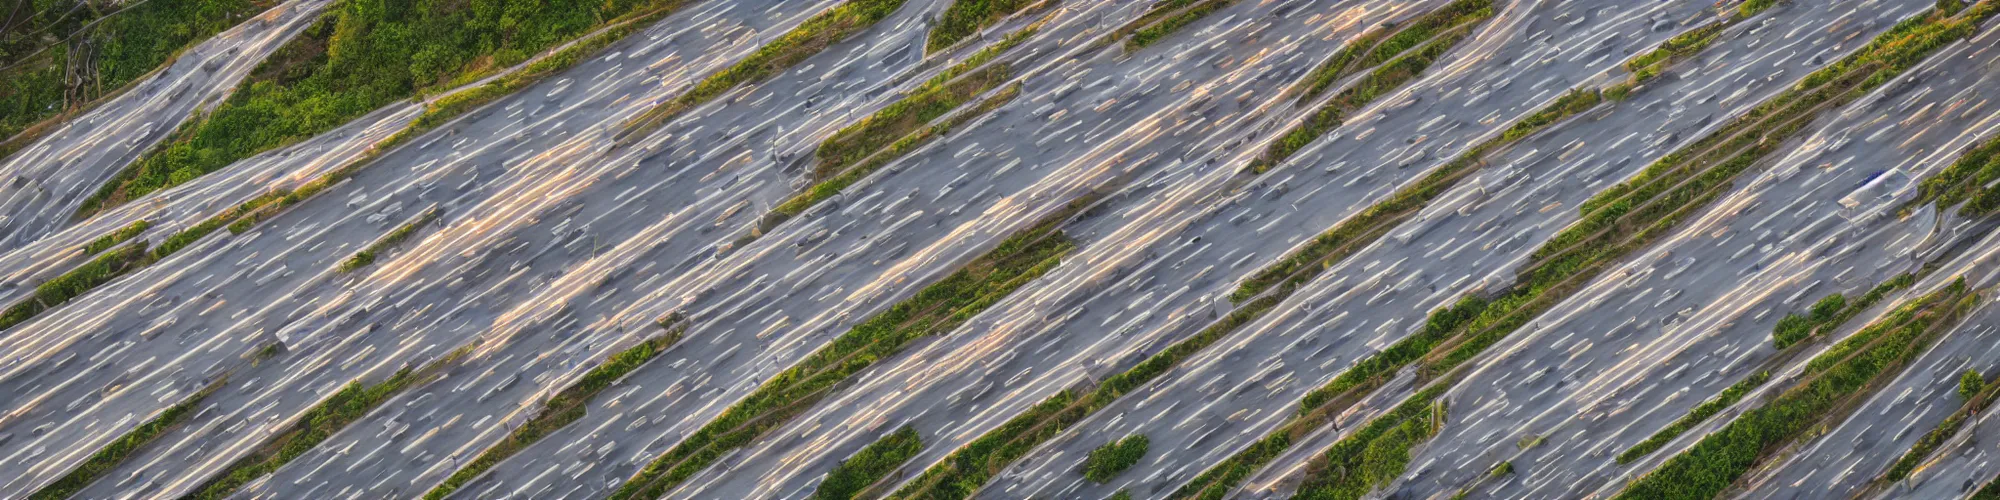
{"x": 1375, "y": 454}
{"x": 1695, "y": 416}
{"x": 935, "y": 309}
{"x": 1970, "y": 383}
{"x": 366, "y": 256}
{"x": 1380, "y": 46}
{"x": 1711, "y": 465}
{"x": 127, "y": 445}
{"x": 795, "y": 46}
{"x": 107, "y": 241}
{"x": 1970, "y": 180}
{"x": 1400, "y": 71}
{"x": 853, "y": 477}
{"x": 319, "y": 423}
{"x": 106, "y": 49}
{"x": 1753, "y": 7}
{"x": 366, "y": 54}
{"x": 1114, "y": 457}
{"x": 560, "y": 410}
{"x": 966, "y": 17}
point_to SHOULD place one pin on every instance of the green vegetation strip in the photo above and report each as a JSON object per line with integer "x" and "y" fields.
{"x": 798, "y": 204}
{"x": 1114, "y": 457}
{"x": 862, "y": 473}
{"x": 1374, "y": 455}
{"x": 1160, "y": 30}
{"x": 61, "y": 289}
{"x": 796, "y": 46}
{"x": 1695, "y": 416}
{"x": 1845, "y": 376}
{"x": 1973, "y": 180}
{"x": 366, "y": 256}
{"x": 319, "y": 423}
{"x": 1975, "y": 402}
{"x": 560, "y": 410}
{"x": 115, "y": 453}
{"x": 105, "y": 242}
{"x": 1379, "y": 46}
{"x": 900, "y": 119}
{"x": 970, "y": 467}
{"x": 65, "y": 55}
{"x": 360, "y": 57}
{"x": 966, "y": 17}
{"x": 1456, "y": 333}
{"x": 1456, "y": 19}
{"x": 936, "y": 309}
{"x": 1831, "y": 311}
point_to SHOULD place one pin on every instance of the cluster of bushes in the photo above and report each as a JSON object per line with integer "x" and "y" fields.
{"x": 128, "y": 232}
{"x": 1375, "y": 454}
{"x": 366, "y": 256}
{"x": 1159, "y": 30}
{"x": 1378, "y": 46}
{"x": 966, "y": 17}
{"x": 559, "y": 411}
{"x": 1794, "y": 327}
{"x": 1114, "y": 457}
{"x": 127, "y": 445}
{"x": 1965, "y": 181}
{"x": 319, "y": 423}
{"x": 935, "y": 309}
{"x": 856, "y": 475}
{"x": 364, "y": 55}
{"x": 109, "y": 48}
{"x": 795, "y": 46}
{"x": 1695, "y": 416}
{"x": 1402, "y": 70}
{"x": 1710, "y": 466}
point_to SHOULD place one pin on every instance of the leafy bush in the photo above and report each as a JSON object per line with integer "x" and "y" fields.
{"x": 128, "y": 232}
{"x": 1114, "y": 457}
{"x": 966, "y": 17}
{"x": 1970, "y": 384}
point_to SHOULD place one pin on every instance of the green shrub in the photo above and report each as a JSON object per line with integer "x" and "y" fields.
{"x": 1970, "y": 384}
{"x": 1114, "y": 457}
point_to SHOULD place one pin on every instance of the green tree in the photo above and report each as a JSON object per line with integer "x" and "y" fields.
{"x": 1970, "y": 384}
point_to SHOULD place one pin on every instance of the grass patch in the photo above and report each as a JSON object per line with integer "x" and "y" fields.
{"x": 1374, "y": 455}
{"x": 1157, "y": 31}
{"x": 966, "y": 17}
{"x": 1695, "y": 416}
